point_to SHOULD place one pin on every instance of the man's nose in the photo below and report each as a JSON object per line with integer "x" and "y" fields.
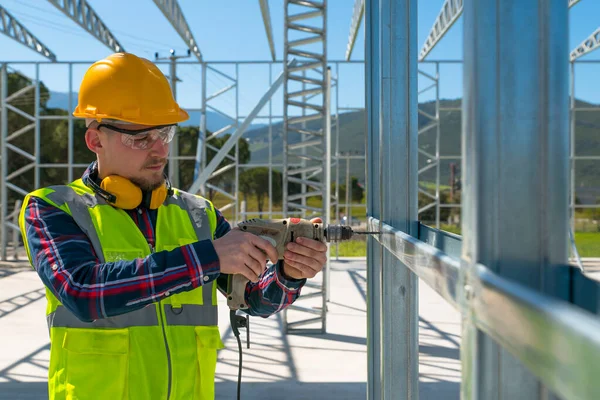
{"x": 160, "y": 148}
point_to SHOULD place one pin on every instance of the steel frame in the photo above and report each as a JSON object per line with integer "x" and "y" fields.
{"x": 80, "y": 12}
{"x": 357, "y": 17}
{"x": 172, "y": 12}
{"x": 266, "y": 16}
{"x": 8, "y": 187}
{"x": 306, "y": 98}
{"x": 587, "y": 46}
{"x": 12, "y": 28}
{"x": 450, "y": 13}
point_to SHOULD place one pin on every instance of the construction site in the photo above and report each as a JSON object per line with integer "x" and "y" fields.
{"x": 451, "y": 152}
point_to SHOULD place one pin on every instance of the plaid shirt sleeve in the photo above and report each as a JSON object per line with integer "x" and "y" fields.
{"x": 64, "y": 259}
{"x": 272, "y": 293}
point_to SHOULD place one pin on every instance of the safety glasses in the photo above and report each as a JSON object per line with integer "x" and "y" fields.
{"x": 142, "y": 139}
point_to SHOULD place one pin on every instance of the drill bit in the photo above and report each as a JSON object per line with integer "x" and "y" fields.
{"x": 338, "y": 233}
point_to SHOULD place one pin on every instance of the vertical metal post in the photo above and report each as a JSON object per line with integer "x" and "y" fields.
{"x": 284, "y": 169}
{"x": 337, "y": 153}
{"x": 515, "y": 170}
{"x": 374, "y": 250}
{"x": 572, "y": 153}
{"x": 270, "y": 144}
{"x": 398, "y": 191}
{"x": 348, "y": 198}
{"x": 36, "y": 140}
{"x": 201, "y": 146}
{"x": 438, "y": 161}
{"x": 3, "y": 160}
{"x": 174, "y": 148}
{"x": 70, "y": 127}
{"x": 327, "y": 188}
{"x": 391, "y": 68}
{"x": 237, "y": 144}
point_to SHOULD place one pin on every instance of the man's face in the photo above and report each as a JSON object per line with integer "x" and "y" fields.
{"x": 120, "y": 153}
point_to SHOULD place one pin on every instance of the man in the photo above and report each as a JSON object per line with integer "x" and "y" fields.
{"x": 132, "y": 266}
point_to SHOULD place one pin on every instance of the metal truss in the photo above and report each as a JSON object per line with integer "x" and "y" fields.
{"x": 430, "y": 158}
{"x": 15, "y": 30}
{"x": 451, "y": 11}
{"x": 357, "y": 17}
{"x": 11, "y": 193}
{"x": 587, "y": 46}
{"x": 83, "y": 14}
{"x": 266, "y": 15}
{"x": 306, "y": 138}
{"x": 172, "y": 11}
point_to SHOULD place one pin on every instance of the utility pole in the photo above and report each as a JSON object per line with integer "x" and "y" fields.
{"x": 173, "y": 168}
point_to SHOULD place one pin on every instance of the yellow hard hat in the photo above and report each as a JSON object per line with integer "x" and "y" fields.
{"x": 128, "y": 88}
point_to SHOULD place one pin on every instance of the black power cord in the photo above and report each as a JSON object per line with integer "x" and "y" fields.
{"x": 239, "y": 321}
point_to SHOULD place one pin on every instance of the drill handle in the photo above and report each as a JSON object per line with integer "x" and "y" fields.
{"x": 236, "y": 290}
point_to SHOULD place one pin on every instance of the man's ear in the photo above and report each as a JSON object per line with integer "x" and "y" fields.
{"x": 93, "y": 140}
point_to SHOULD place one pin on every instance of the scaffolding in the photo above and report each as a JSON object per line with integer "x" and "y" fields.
{"x": 306, "y": 99}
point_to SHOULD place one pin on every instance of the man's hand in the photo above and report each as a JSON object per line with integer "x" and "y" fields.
{"x": 305, "y": 257}
{"x": 244, "y": 253}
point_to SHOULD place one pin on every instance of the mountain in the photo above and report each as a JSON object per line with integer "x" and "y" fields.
{"x": 214, "y": 120}
{"x": 352, "y": 134}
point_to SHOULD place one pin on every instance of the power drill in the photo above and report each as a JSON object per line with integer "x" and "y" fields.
{"x": 280, "y": 232}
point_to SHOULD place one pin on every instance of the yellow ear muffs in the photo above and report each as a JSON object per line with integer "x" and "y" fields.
{"x": 159, "y": 195}
{"x": 128, "y": 195}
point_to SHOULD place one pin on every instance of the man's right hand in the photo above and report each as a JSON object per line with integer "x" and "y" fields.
{"x": 244, "y": 253}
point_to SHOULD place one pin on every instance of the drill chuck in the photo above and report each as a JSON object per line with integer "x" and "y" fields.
{"x": 338, "y": 233}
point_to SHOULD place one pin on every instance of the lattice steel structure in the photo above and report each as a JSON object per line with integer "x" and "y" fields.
{"x": 306, "y": 100}
{"x": 14, "y": 184}
{"x": 84, "y": 15}
{"x": 15, "y": 30}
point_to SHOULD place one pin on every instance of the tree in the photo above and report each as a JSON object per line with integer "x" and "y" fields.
{"x": 356, "y": 191}
{"x": 255, "y": 181}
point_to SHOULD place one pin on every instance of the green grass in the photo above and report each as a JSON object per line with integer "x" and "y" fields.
{"x": 450, "y": 228}
{"x": 588, "y": 244}
{"x": 352, "y": 248}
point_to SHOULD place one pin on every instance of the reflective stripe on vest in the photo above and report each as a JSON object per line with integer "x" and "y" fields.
{"x": 78, "y": 205}
{"x": 186, "y": 315}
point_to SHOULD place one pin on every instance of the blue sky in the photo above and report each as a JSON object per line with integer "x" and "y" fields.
{"x": 229, "y": 30}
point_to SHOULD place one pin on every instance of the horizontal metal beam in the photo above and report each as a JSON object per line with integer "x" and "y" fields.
{"x": 567, "y": 340}
{"x": 436, "y": 269}
{"x": 85, "y": 16}
{"x": 15, "y": 30}
{"x": 357, "y": 17}
{"x": 266, "y": 16}
{"x": 587, "y": 46}
{"x": 173, "y": 13}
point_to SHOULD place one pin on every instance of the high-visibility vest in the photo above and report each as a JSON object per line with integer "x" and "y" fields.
{"x": 166, "y": 350}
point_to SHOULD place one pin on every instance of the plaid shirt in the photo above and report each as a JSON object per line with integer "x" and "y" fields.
{"x": 64, "y": 259}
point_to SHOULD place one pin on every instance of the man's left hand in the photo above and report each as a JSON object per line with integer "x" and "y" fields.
{"x": 305, "y": 257}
